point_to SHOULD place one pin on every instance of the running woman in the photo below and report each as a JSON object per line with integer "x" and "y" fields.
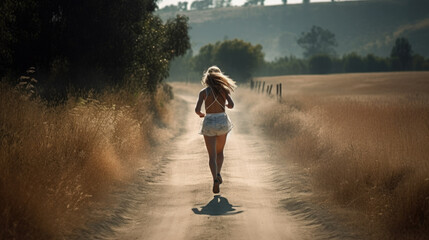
{"x": 216, "y": 124}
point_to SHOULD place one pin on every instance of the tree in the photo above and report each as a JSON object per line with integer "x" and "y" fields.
{"x": 205, "y": 58}
{"x": 305, "y": 1}
{"x": 202, "y": 4}
{"x": 219, "y": 3}
{"x": 317, "y": 41}
{"x": 181, "y": 69}
{"x": 154, "y": 50}
{"x": 284, "y": 2}
{"x": 320, "y": 64}
{"x": 418, "y": 62}
{"x": 182, "y": 6}
{"x": 236, "y": 57}
{"x": 251, "y": 2}
{"x": 240, "y": 59}
{"x": 375, "y": 64}
{"x": 402, "y": 55}
{"x": 170, "y": 8}
{"x": 254, "y": 2}
{"x": 90, "y": 44}
{"x": 353, "y": 63}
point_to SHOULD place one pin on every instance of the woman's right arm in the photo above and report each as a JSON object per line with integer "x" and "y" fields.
{"x": 199, "y": 104}
{"x": 230, "y": 102}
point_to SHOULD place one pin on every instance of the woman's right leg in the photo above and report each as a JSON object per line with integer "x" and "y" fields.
{"x": 211, "y": 149}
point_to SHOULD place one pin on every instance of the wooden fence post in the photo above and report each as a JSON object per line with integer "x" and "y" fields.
{"x": 261, "y": 87}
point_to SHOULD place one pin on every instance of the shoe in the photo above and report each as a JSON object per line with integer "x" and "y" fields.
{"x": 216, "y": 186}
{"x": 219, "y": 177}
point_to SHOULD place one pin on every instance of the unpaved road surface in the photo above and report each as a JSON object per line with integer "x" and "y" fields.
{"x": 262, "y": 196}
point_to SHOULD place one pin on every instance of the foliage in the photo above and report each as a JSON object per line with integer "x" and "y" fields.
{"x": 254, "y": 2}
{"x": 196, "y": 5}
{"x": 183, "y": 6}
{"x": 236, "y": 57}
{"x": 89, "y": 44}
{"x": 201, "y": 4}
{"x": 181, "y": 69}
{"x": 375, "y": 64}
{"x": 349, "y": 63}
{"x": 353, "y": 63}
{"x": 320, "y": 64}
{"x": 222, "y": 3}
{"x": 161, "y": 43}
{"x": 419, "y": 63}
{"x": 170, "y": 8}
{"x": 317, "y": 41}
{"x": 401, "y": 55}
{"x": 283, "y": 66}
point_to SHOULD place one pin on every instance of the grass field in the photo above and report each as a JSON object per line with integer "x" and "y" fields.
{"x": 57, "y": 163}
{"x": 364, "y": 139}
{"x": 396, "y": 84}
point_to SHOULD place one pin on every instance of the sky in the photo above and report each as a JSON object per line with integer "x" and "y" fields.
{"x": 163, "y": 3}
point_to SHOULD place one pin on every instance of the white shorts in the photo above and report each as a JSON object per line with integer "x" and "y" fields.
{"x": 216, "y": 124}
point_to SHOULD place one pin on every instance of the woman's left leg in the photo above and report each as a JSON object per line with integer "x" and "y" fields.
{"x": 220, "y": 145}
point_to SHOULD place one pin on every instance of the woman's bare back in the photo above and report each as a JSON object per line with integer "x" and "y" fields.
{"x": 214, "y": 103}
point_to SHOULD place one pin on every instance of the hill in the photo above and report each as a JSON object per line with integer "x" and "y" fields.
{"x": 360, "y": 26}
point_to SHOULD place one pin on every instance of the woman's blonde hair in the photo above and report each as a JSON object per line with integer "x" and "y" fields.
{"x": 215, "y": 79}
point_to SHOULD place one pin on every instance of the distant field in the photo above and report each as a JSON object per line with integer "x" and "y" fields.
{"x": 354, "y": 84}
{"x": 364, "y": 139}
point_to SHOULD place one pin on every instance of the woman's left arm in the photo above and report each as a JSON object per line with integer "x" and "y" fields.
{"x": 230, "y": 102}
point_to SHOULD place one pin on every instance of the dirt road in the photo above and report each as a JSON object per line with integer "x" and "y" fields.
{"x": 262, "y": 197}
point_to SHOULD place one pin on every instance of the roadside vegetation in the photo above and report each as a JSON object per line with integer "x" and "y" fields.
{"x": 57, "y": 163}
{"x": 82, "y": 104}
{"x": 366, "y": 149}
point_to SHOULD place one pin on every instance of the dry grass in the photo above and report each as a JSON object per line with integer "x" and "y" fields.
{"x": 56, "y": 162}
{"x": 354, "y": 84}
{"x": 367, "y": 148}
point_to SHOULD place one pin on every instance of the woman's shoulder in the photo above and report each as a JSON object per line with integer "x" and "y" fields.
{"x": 203, "y": 92}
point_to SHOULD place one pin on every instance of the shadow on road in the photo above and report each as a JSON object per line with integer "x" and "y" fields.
{"x": 217, "y": 206}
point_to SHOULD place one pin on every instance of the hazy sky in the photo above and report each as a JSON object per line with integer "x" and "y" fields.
{"x": 163, "y": 3}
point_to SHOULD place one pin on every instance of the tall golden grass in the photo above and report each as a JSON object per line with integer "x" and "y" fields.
{"x": 370, "y": 153}
{"x": 56, "y": 162}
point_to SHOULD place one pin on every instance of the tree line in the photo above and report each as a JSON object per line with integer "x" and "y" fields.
{"x": 207, "y": 4}
{"x": 320, "y": 57}
{"x": 89, "y": 44}
{"x": 242, "y": 60}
